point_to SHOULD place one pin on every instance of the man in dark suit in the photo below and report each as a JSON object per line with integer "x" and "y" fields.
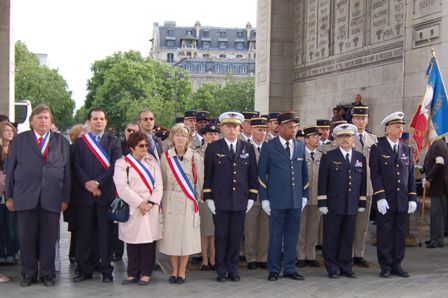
{"x": 394, "y": 193}
{"x": 283, "y": 177}
{"x": 147, "y": 120}
{"x": 93, "y": 176}
{"x": 341, "y": 195}
{"x": 38, "y": 188}
{"x": 230, "y": 189}
{"x": 436, "y": 169}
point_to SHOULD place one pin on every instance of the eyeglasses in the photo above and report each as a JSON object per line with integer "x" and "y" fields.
{"x": 130, "y": 130}
{"x": 148, "y": 118}
{"x": 143, "y": 145}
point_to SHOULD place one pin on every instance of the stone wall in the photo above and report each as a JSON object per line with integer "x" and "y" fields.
{"x": 6, "y": 60}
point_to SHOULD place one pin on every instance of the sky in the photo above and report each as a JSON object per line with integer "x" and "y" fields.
{"x": 75, "y": 33}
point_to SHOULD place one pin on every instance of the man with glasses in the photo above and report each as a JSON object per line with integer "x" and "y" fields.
{"x": 147, "y": 121}
{"x": 131, "y": 127}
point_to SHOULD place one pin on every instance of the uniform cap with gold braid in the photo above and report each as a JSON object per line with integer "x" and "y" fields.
{"x": 210, "y": 128}
{"x": 202, "y": 115}
{"x": 345, "y": 129}
{"x": 273, "y": 116}
{"x": 360, "y": 111}
{"x": 250, "y": 114}
{"x": 339, "y": 122}
{"x": 323, "y": 123}
{"x": 311, "y": 130}
{"x": 259, "y": 122}
{"x": 231, "y": 117}
{"x": 396, "y": 117}
{"x": 287, "y": 117}
{"x": 190, "y": 114}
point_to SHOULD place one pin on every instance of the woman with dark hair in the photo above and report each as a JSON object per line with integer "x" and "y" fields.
{"x": 139, "y": 183}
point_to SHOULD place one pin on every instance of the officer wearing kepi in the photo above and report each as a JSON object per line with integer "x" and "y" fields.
{"x": 230, "y": 189}
{"x": 341, "y": 195}
{"x": 394, "y": 193}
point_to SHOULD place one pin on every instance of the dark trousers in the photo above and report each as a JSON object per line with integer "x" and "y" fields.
{"x": 72, "y": 249}
{"x": 141, "y": 259}
{"x": 229, "y": 227}
{"x": 391, "y": 239}
{"x": 338, "y": 235}
{"x": 284, "y": 226}
{"x": 438, "y": 207}
{"x": 38, "y": 231}
{"x": 93, "y": 229}
{"x": 117, "y": 244}
{"x": 9, "y": 243}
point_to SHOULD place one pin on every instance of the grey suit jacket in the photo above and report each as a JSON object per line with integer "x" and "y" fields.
{"x": 30, "y": 178}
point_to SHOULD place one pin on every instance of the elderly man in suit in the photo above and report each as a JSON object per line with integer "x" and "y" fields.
{"x": 394, "y": 193}
{"x": 230, "y": 189}
{"x": 93, "y": 160}
{"x": 38, "y": 188}
{"x": 363, "y": 142}
{"x": 283, "y": 177}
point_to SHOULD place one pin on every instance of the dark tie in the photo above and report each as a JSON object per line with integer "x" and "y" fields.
{"x": 395, "y": 151}
{"x": 248, "y": 140}
{"x": 312, "y": 155}
{"x": 361, "y": 140}
{"x": 232, "y": 152}
{"x": 98, "y": 139}
{"x": 347, "y": 158}
{"x": 288, "y": 150}
{"x": 41, "y": 139}
{"x": 259, "y": 149}
{"x": 202, "y": 142}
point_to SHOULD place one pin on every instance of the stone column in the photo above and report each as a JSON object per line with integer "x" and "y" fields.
{"x": 6, "y": 61}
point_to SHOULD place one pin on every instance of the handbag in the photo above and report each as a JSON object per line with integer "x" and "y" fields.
{"x": 119, "y": 210}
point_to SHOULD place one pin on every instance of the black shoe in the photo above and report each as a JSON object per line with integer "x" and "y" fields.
{"x": 172, "y": 279}
{"x": 273, "y": 276}
{"x": 333, "y": 275}
{"x": 130, "y": 281}
{"x": 221, "y": 278}
{"x": 318, "y": 247}
{"x": 82, "y": 277}
{"x": 262, "y": 265}
{"x": 211, "y": 267}
{"x": 252, "y": 265}
{"x": 108, "y": 278}
{"x": 361, "y": 262}
{"x": 204, "y": 267}
{"x": 312, "y": 263}
{"x": 48, "y": 281}
{"x": 400, "y": 272}
{"x": 385, "y": 274}
{"x": 180, "y": 280}
{"x": 234, "y": 277}
{"x": 295, "y": 276}
{"x": 28, "y": 280}
{"x": 300, "y": 264}
{"x": 72, "y": 260}
{"x": 434, "y": 245}
{"x": 348, "y": 274}
{"x": 242, "y": 259}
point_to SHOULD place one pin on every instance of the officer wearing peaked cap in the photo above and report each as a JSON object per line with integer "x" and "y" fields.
{"x": 272, "y": 126}
{"x": 202, "y": 119}
{"x": 341, "y": 195}
{"x": 245, "y": 126}
{"x": 394, "y": 193}
{"x": 230, "y": 189}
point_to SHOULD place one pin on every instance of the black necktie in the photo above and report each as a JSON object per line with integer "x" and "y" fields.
{"x": 259, "y": 149}
{"x": 202, "y": 142}
{"x": 232, "y": 152}
{"x": 288, "y": 150}
{"x": 395, "y": 151}
{"x": 347, "y": 158}
{"x": 361, "y": 140}
{"x": 312, "y": 155}
{"x": 248, "y": 140}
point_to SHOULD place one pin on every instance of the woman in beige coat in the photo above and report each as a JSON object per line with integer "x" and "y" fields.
{"x": 181, "y": 230}
{"x": 142, "y": 229}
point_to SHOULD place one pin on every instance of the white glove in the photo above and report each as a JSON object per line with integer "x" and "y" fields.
{"x": 266, "y": 207}
{"x": 382, "y": 206}
{"x": 412, "y": 207}
{"x": 250, "y": 204}
{"x": 361, "y": 209}
{"x": 304, "y": 202}
{"x": 211, "y": 206}
{"x": 323, "y": 210}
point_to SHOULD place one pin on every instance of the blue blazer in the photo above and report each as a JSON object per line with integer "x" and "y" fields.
{"x": 283, "y": 181}
{"x": 87, "y": 167}
{"x": 30, "y": 178}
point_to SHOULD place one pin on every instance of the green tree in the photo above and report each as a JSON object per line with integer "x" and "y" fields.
{"x": 41, "y": 84}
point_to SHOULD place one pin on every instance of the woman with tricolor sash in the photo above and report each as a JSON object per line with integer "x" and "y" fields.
{"x": 138, "y": 181}
{"x": 183, "y": 176}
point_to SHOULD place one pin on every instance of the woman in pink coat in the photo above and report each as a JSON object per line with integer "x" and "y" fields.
{"x": 139, "y": 183}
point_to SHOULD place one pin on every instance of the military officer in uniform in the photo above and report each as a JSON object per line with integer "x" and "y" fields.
{"x": 309, "y": 221}
{"x": 190, "y": 120}
{"x": 272, "y": 126}
{"x": 283, "y": 177}
{"x": 324, "y": 129}
{"x": 341, "y": 195}
{"x": 394, "y": 193}
{"x": 230, "y": 189}
{"x": 363, "y": 142}
{"x": 256, "y": 227}
{"x": 245, "y": 127}
{"x": 202, "y": 119}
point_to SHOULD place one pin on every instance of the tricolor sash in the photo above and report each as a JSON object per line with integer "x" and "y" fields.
{"x": 142, "y": 171}
{"x": 97, "y": 150}
{"x": 182, "y": 179}
{"x": 44, "y": 145}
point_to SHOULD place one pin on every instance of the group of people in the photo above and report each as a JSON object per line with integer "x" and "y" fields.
{"x": 245, "y": 184}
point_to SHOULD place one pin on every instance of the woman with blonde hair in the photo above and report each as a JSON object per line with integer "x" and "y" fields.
{"x": 183, "y": 176}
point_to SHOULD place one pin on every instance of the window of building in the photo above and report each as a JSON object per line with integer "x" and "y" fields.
{"x": 218, "y": 68}
{"x": 222, "y": 33}
{"x": 222, "y": 56}
{"x": 239, "y": 56}
{"x": 206, "y": 56}
{"x": 190, "y": 68}
{"x": 205, "y": 33}
{"x": 222, "y": 44}
{"x": 201, "y": 68}
{"x": 169, "y": 57}
{"x": 231, "y": 69}
{"x": 206, "y": 44}
{"x": 189, "y": 32}
{"x": 170, "y": 32}
{"x": 170, "y": 43}
{"x": 239, "y": 33}
{"x": 243, "y": 69}
{"x": 239, "y": 45}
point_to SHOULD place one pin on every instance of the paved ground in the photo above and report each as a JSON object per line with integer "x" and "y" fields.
{"x": 428, "y": 269}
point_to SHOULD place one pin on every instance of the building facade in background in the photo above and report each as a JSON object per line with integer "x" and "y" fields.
{"x": 209, "y": 54}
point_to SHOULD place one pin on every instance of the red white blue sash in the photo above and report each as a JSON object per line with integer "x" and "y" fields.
{"x": 97, "y": 150}
{"x": 182, "y": 179}
{"x": 44, "y": 145}
{"x": 142, "y": 171}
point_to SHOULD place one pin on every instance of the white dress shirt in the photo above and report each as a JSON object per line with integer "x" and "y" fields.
{"x": 344, "y": 153}
{"x": 291, "y": 145}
